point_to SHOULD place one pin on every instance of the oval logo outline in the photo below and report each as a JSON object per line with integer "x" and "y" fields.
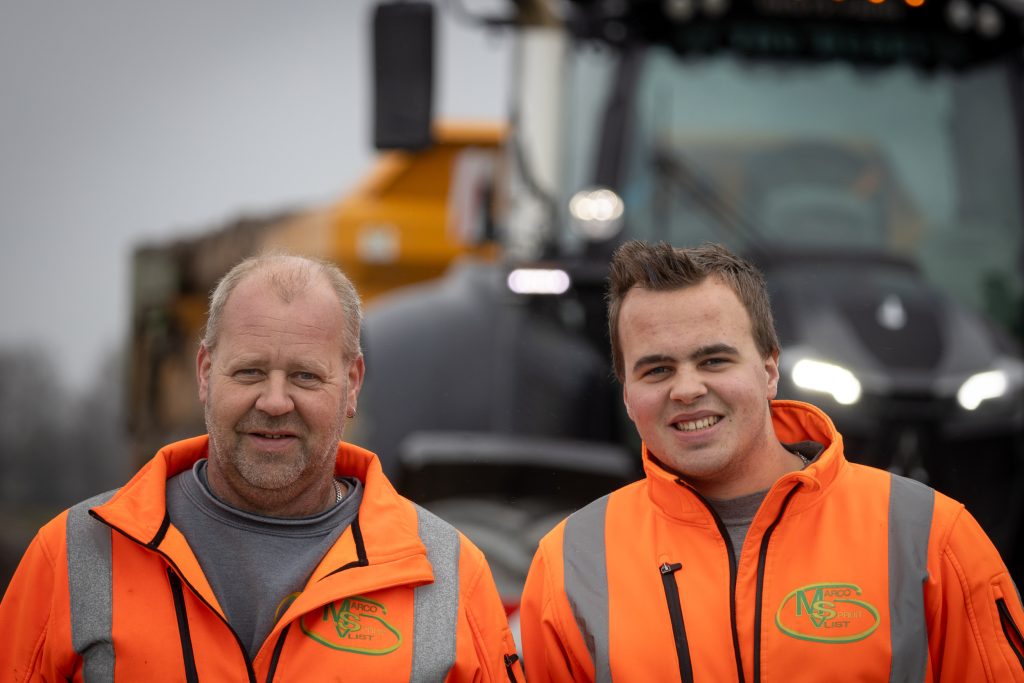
{"x": 843, "y": 639}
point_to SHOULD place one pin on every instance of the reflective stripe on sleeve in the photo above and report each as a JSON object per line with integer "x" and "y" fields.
{"x": 436, "y": 605}
{"x": 586, "y": 581}
{"x": 91, "y": 589}
{"x": 910, "y": 522}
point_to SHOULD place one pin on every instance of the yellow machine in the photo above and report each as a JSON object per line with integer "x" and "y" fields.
{"x": 404, "y": 223}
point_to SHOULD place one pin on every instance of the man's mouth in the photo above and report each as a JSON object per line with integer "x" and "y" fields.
{"x": 694, "y": 425}
{"x": 272, "y": 436}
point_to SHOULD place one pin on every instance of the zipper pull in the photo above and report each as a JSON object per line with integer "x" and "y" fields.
{"x": 667, "y": 568}
{"x": 510, "y": 661}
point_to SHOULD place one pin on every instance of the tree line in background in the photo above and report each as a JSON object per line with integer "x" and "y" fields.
{"x": 57, "y": 446}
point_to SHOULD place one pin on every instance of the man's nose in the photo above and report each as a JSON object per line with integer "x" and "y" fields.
{"x": 687, "y": 387}
{"x": 275, "y": 397}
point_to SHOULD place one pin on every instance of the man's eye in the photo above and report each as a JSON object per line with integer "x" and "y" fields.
{"x": 715, "y": 362}
{"x": 306, "y": 377}
{"x": 656, "y": 371}
{"x": 248, "y": 373}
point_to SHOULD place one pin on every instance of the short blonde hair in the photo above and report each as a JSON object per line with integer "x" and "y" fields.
{"x": 289, "y": 275}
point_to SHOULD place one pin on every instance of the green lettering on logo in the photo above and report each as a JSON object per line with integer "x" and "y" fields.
{"x": 351, "y": 631}
{"x": 817, "y": 607}
{"x": 811, "y": 607}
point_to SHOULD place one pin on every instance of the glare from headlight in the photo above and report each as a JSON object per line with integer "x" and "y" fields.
{"x": 981, "y": 387}
{"x": 832, "y": 379}
{"x": 596, "y": 213}
{"x": 538, "y": 281}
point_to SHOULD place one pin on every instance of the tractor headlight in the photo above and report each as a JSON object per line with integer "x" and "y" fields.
{"x": 1004, "y": 378}
{"x": 828, "y": 378}
{"x": 981, "y": 387}
{"x": 539, "y": 281}
{"x": 596, "y": 213}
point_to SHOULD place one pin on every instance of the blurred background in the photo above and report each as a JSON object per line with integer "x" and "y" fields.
{"x": 472, "y": 164}
{"x": 123, "y": 124}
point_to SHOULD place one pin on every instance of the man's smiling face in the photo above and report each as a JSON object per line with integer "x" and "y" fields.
{"x": 697, "y": 387}
{"x": 276, "y": 389}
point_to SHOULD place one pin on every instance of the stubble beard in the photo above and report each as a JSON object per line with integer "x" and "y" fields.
{"x": 264, "y": 471}
{"x": 697, "y": 464}
{"x": 711, "y": 461}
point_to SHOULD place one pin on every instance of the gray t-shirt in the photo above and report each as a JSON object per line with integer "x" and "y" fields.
{"x": 253, "y": 563}
{"x": 738, "y": 513}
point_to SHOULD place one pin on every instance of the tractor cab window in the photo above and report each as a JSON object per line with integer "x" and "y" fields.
{"x": 832, "y": 156}
{"x": 826, "y": 155}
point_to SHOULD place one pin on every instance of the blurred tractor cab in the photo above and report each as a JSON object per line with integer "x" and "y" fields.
{"x": 866, "y": 154}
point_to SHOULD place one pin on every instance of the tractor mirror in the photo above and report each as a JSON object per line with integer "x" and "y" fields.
{"x": 403, "y": 75}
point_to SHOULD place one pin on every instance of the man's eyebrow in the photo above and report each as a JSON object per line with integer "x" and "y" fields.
{"x": 316, "y": 367}
{"x": 652, "y": 359}
{"x": 714, "y": 350}
{"x": 241, "y": 361}
{"x": 702, "y": 352}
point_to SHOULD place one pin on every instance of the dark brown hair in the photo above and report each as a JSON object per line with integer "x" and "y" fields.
{"x": 662, "y": 267}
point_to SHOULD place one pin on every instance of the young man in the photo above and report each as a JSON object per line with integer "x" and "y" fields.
{"x": 267, "y": 550}
{"x": 752, "y": 550}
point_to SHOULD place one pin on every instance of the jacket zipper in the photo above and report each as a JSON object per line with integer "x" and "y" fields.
{"x": 172, "y": 568}
{"x": 723, "y": 532}
{"x": 177, "y": 581}
{"x": 179, "y": 607}
{"x": 759, "y": 594}
{"x": 675, "y": 611}
{"x": 1010, "y": 631}
{"x": 277, "y": 653}
{"x": 187, "y": 654}
{"x": 510, "y": 661}
{"x": 762, "y": 556}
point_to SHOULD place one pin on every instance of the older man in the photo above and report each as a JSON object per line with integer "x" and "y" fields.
{"x": 267, "y": 550}
{"x": 752, "y": 550}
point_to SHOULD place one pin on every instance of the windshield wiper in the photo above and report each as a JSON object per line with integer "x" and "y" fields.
{"x": 674, "y": 168}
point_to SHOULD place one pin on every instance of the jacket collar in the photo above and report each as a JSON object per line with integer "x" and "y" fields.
{"x": 139, "y": 508}
{"x": 385, "y": 531}
{"x": 794, "y": 421}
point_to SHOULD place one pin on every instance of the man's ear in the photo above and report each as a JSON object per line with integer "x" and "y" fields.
{"x": 356, "y": 371}
{"x": 771, "y": 367}
{"x": 625, "y": 401}
{"x": 203, "y": 365}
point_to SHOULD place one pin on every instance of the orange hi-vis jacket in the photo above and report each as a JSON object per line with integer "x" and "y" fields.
{"x": 112, "y": 592}
{"x": 847, "y": 573}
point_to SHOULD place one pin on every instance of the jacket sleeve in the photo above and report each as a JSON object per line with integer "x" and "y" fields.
{"x": 493, "y": 649}
{"x": 975, "y": 614}
{"x": 553, "y": 651}
{"x": 28, "y": 613}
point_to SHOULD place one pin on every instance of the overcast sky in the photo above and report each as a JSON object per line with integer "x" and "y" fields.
{"x": 123, "y": 122}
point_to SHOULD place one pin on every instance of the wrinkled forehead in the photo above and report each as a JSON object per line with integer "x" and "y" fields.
{"x": 259, "y": 303}
{"x": 286, "y": 279}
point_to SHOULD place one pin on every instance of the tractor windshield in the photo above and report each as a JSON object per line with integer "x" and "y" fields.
{"x": 828, "y": 155}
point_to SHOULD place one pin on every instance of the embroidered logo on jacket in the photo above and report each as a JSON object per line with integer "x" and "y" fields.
{"x": 355, "y": 624}
{"x": 827, "y": 613}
